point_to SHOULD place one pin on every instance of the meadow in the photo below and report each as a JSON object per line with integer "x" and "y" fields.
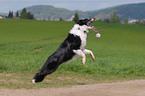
{"x": 25, "y": 45}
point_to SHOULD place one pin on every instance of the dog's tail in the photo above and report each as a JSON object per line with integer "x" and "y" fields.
{"x": 49, "y": 67}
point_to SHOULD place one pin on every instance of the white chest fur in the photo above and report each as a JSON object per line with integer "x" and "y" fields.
{"x": 80, "y": 31}
{"x": 83, "y": 37}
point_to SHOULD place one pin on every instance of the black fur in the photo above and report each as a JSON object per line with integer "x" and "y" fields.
{"x": 82, "y": 22}
{"x": 61, "y": 55}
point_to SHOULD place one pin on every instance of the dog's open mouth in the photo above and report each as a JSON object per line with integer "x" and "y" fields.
{"x": 92, "y": 27}
{"x": 91, "y": 21}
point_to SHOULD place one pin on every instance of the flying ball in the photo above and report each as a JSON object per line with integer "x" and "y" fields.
{"x": 98, "y": 35}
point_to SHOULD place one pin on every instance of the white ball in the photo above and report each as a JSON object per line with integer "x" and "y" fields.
{"x": 98, "y": 35}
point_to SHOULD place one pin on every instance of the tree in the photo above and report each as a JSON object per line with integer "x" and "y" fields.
{"x": 115, "y": 18}
{"x": 107, "y": 20}
{"x": 24, "y": 14}
{"x": 126, "y": 21}
{"x": 49, "y": 18}
{"x": 60, "y": 19}
{"x": 30, "y": 16}
{"x": 76, "y": 17}
{"x": 10, "y": 15}
{"x": 17, "y": 14}
{"x": 118, "y": 19}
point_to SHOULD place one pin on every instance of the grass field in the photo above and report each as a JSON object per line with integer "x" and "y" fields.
{"x": 120, "y": 54}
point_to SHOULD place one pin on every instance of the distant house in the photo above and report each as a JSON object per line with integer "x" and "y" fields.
{"x": 1, "y": 17}
{"x": 142, "y": 21}
{"x": 133, "y": 21}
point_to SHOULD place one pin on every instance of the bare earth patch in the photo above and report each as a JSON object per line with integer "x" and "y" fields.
{"x": 38, "y": 49}
{"x": 128, "y": 88}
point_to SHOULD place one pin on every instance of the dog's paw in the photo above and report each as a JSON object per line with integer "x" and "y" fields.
{"x": 33, "y": 81}
{"x": 93, "y": 57}
{"x": 83, "y": 61}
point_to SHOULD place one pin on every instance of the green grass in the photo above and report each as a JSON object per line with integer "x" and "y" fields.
{"x": 119, "y": 53}
{"x": 24, "y": 30}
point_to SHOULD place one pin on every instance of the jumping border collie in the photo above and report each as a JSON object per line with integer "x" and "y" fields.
{"x": 72, "y": 46}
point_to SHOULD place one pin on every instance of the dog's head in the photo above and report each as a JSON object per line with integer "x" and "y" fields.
{"x": 86, "y": 22}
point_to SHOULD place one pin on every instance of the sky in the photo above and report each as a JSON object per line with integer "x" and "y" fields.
{"x": 82, "y": 5}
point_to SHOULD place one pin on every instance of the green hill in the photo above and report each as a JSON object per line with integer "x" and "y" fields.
{"x": 47, "y": 11}
{"x": 134, "y": 11}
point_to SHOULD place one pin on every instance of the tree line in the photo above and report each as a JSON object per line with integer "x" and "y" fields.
{"x": 23, "y": 15}
{"x": 115, "y": 18}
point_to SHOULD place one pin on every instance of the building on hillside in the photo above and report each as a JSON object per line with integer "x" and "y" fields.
{"x": 1, "y": 17}
{"x": 133, "y": 21}
{"x": 5, "y": 17}
{"x": 142, "y": 21}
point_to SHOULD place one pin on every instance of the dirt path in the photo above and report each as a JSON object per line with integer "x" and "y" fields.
{"x": 128, "y": 88}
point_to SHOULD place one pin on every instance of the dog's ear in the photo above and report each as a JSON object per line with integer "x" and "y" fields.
{"x": 77, "y": 21}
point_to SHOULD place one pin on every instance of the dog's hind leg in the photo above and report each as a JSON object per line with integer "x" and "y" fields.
{"x": 86, "y": 51}
{"x": 80, "y": 53}
{"x": 47, "y": 68}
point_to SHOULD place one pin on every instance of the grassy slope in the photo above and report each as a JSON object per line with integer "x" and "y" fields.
{"x": 133, "y": 11}
{"x": 119, "y": 53}
{"x": 25, "y": 30}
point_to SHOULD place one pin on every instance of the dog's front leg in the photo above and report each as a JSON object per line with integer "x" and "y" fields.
{"x": 80, "y": 53}
{"x": 86, "y": 51}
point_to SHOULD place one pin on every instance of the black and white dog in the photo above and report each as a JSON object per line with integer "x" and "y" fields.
{"x": 72, "y": 46}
